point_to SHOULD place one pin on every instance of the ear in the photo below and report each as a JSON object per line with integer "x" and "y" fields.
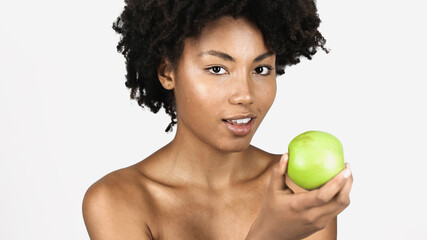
{"x": 166, "y": 74}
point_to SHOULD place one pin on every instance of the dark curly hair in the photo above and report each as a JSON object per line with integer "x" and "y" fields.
{"x": 152, "y": 30}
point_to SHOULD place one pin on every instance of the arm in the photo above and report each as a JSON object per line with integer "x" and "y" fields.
{"x": 304, "y": 215}
{"x": 109, "y": 214}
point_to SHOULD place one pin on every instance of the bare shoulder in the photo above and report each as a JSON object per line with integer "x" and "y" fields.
{"x": 117, "y": 207}
{"x": 264, "y": 157}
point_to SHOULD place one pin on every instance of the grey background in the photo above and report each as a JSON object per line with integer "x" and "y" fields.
{"x": 66, "y": 119}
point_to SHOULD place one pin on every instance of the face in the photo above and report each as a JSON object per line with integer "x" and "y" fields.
{"x": 224, "y": 84}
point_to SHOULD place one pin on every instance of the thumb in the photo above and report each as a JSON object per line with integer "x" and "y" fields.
{"x": 277, "y": 181}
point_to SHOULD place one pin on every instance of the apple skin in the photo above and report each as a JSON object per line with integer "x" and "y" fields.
{"x": 315, "y": 157}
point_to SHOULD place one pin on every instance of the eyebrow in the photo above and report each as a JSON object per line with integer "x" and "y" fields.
{"x": 227, "y": 57}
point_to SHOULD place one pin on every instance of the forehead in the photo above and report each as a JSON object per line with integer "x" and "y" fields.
{"x": 238, "y": 37}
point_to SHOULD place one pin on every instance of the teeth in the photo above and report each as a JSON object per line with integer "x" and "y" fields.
{"x": 240, "y": 121}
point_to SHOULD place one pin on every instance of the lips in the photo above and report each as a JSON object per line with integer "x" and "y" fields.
{"x": 240, "y": 125}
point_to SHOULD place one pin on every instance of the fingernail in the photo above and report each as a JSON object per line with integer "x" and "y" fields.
{"x": 347, "y": 173}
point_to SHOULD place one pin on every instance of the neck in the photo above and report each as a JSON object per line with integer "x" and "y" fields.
{"x": 197, "y": 163}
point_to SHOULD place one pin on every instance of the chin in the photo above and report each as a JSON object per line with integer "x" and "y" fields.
{"x": 233, "y": 147}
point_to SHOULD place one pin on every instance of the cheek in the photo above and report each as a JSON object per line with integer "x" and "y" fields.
{"x": 267, "y": 93}
{"x": 194, "y": 96}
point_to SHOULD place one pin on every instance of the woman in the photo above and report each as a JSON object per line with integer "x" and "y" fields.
{"x": 212, "y": 66}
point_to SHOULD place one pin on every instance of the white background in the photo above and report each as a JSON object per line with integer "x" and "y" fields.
{"x": 66, "y": 118}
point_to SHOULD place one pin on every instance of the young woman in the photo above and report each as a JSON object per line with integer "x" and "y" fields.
{"x": 212, "y": 66}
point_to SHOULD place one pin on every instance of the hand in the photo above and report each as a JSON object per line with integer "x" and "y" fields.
{"x": 288, "y": 215}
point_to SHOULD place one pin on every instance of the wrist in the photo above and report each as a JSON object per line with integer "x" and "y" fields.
{"x": 255, "y": 232}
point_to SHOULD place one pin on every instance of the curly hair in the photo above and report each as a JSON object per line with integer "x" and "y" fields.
{"x": 153, "y": 30}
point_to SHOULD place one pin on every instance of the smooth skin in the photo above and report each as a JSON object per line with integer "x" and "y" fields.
{"x": 209, "y": 183}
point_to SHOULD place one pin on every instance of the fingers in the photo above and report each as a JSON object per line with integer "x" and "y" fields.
{"x": 338, "y": 203}
{"x": 325, "y": 194}
{"x": 277, "y": 180}
{"x": 343, "y": 198}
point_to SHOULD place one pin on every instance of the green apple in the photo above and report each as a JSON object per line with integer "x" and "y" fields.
{"x": 315, "y": 157}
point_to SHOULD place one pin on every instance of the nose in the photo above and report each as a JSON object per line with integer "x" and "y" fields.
{"x": 242, "y": 93}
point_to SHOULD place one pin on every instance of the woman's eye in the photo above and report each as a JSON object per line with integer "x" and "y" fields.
{"x": 217, "y": 70}
{"x": 263, "y": 70}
